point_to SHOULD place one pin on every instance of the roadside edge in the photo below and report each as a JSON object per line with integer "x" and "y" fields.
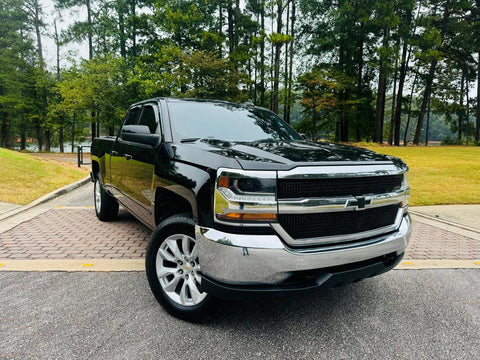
{"x": 50, "y": 196}
{"x": 113, "y": 265}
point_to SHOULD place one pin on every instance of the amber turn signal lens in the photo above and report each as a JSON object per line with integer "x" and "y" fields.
{"x": 247, "y": 217}
{"x": 223, "y": 182}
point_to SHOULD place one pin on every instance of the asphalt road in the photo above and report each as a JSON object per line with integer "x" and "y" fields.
{"x": 409, "y": 314}
{"x": 423, "y": 314}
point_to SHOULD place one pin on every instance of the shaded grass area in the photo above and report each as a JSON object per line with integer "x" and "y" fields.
{"x": 439, "y": 175}
{"x": 24, "y": 177}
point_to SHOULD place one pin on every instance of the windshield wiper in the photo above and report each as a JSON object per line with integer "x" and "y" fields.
{"x": 189, "y": 140}
{"x": 209, "y": 139}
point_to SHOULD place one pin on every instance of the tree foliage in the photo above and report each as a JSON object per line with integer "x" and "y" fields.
{"x": 360, "y": 69}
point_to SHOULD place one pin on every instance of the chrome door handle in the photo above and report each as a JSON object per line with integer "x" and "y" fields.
{"x": 128, "y": 157}
{"x": 114, "y": 153}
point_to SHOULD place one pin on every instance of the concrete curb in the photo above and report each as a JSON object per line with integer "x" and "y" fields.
{"x": 114, "y": 265}
{"x": 414, "y": 264}
{"x": 50, "y": 196}
{"x": 446, "y": 222}
{"x": 86, "y": 265}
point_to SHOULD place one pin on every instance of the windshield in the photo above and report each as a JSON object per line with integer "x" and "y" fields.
{"x": 226, "y": 121}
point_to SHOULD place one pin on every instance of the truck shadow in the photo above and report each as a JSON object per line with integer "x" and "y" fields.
{"x": 328, "y": 306}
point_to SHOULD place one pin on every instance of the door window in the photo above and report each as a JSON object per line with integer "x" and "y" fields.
{"x": 132, "y": 116}
{"x": 148, "y": 119}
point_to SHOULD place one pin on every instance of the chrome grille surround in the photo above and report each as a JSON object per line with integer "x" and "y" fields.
{"x": 342, "y": 203}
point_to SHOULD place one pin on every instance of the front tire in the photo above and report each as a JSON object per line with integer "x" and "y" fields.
{"x": 174, "y": 273}
{"x": 106, "y": 207}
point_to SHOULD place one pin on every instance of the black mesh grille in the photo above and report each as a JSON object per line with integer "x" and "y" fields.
{"x": 301, "y": 226}
{"x": 305, "y": 188}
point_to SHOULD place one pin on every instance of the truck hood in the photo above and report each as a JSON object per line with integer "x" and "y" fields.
{"x": 273, "y": 155}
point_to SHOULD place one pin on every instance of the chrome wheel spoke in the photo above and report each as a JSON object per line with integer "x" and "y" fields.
{"x": 171, "y": 285}
{"x": 196, "y": 295}
{"x": 163, "y": 271}
{"x": 173, "y": 246}
{"x": 197, "y": 277}
{"x": 193, "y": 253}
{"x": 184, "y": 294}
{"x": 165, "y": 255}
{"x": 186, "y": 245}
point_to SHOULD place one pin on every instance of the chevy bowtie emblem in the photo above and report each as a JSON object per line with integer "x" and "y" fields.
{"x": 359, "y": 203}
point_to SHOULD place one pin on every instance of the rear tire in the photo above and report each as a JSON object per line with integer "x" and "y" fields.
{"x": 173, "y": 270}
{"x": 106, "y": 207}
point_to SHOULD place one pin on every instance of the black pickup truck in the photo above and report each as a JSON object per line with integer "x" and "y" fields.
{"x": 241, "y": 205}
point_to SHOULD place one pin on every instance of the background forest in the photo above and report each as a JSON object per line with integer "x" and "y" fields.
{"x": 345, "y": 70}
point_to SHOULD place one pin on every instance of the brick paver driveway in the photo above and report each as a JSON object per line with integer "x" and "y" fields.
{"x": 69, "y": 229}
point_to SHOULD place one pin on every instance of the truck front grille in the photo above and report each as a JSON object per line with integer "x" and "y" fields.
{"x": 312, "y": 188}
{"x": 302, "y": 226}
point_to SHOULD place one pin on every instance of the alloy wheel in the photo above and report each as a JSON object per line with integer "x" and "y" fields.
{"x": 178, "y": 270}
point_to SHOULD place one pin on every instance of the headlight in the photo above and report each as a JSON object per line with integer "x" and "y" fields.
{"x": 245, "y": 197}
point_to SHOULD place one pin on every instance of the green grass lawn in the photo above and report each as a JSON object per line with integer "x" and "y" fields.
{"x": 24, "y": 177}
{"x": 439, "y": 174}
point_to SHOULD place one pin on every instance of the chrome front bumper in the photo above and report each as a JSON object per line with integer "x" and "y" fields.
{"x": 243, "y": 259}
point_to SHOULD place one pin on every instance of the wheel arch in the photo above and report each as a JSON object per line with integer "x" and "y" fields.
{"x": 95, "y": 168}
{"x": 171, "y": 202}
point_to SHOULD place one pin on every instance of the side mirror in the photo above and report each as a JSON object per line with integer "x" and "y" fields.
{"x": 304, "y": 136}
{"x": 140, "y": 134}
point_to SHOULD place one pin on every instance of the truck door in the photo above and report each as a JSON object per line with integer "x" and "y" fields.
{"x": 139, "y": 166}
{"x": 118, "y": 161}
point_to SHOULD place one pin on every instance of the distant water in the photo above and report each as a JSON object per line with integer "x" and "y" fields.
{"x": 33, "y": 147}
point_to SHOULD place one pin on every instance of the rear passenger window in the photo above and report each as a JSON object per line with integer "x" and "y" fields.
{"x": 148, "y": 119}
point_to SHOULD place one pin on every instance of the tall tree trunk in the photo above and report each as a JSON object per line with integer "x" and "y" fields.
{"x": 428, "y": 88}
{"x": 23, "y": 139}
{"x": 133, "y": 14}
{"x": 231, "y": 27}
{"x": 426, "y": 98}
{"x": 467, "y": 112}
{"x": 37, "y": 24}
{"x": 4, "y": 132}
{"x": 341, "y": 130}
{"x": 392, "y": 116}
{"x": 285, "y": 84}
{"x": 262, "y": 55}
{"x": 380, "y": 104}
{"x": 477, "y": 127}
{"x": 405, "y": 136}
{"x": 48, "y": 136}
{"x": 57, "y": 45}
{"x": 359, "y": 60}
{"x": 278, "y": 52}
{"x": 379, "y": 109}
{"x": 461, "y": 113}
{"x": 290, "y": 73}
{"x": 314, "y": 120}
{"x": 73, "y": 131}
{"x": 60, "y": 139}
{"x": 121, "y": 28}
{"x": 94, "y": 125}
{"x": 89, "y": 31}
{"x": 38, "y": 133}
{"x": 220, "y": 27}
{"x": 427, "y": 130}
{"x": 401, "y": 81}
